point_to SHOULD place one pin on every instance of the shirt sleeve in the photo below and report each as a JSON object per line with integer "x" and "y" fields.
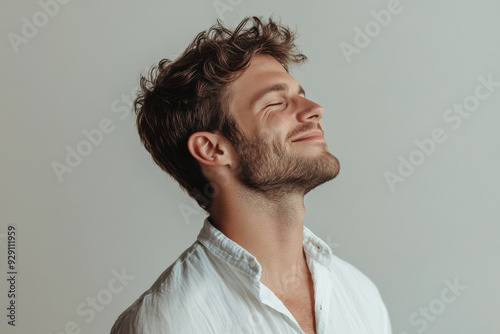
{"x": 145, "y": 316}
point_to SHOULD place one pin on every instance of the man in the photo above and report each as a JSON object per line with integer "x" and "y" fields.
{"x": 234, "y": 128}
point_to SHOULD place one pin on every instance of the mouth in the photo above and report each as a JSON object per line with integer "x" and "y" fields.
{"x": 314, "y": 135}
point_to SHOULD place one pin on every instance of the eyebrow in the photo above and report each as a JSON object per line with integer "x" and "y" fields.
{"x": 277, "y": 87}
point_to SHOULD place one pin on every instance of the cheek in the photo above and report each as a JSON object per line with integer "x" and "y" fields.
{"x": 280, "y": 126}
{"x": 247, "y": 127}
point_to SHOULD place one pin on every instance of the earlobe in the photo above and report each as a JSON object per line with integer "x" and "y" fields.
{"x": 207, "y": 148}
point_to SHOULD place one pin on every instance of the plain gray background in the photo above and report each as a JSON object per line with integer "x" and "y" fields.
{"x": 117, "y": 211}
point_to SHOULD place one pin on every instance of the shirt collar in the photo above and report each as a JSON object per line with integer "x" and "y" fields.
{"x": 238, "y": 257}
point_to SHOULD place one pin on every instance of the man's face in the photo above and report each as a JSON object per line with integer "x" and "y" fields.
{"x": 271, "y": 111}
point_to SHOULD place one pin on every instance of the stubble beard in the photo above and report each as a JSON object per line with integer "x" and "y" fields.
{"x": 275, "y": 170}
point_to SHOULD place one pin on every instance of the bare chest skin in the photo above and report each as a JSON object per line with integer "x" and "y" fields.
{"x": 301, "y": 305}
{"x": 303, "y": 312}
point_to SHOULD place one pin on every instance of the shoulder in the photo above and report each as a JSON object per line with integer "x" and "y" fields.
{"x": 363, "y": 292}
{"x": 350, "y": 275}
{"x": 158, "y": 309}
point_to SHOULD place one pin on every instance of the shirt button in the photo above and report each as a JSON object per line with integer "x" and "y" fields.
{"x": 252, "y": 263}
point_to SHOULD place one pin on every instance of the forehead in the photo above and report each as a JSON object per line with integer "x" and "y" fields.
{"x": 260, "y": 65}
{"x": 264, "y": 70}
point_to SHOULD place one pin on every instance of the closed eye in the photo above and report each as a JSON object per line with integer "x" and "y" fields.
{"x": 275, "y": 104}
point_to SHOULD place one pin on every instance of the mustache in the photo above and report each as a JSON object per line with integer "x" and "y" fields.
{"x": 304, "y": 128}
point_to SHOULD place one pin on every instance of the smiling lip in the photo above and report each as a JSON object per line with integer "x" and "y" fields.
{"x": 310, "y": 136}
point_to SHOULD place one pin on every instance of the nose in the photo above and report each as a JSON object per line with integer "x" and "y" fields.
{"x": 309, "y": 111}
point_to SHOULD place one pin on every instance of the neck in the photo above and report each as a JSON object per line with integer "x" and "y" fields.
{"x": 270, "y": 230}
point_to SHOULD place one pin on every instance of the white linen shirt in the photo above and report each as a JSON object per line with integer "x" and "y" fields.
{"x": 214, "y": 287}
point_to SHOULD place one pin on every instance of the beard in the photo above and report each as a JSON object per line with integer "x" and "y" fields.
{"x": 275, "y": 170}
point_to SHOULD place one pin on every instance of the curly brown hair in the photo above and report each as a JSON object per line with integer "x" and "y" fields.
{"x": 188, "y": 95}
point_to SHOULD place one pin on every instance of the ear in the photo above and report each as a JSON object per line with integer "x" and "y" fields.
{"x": 209, "y": 148}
